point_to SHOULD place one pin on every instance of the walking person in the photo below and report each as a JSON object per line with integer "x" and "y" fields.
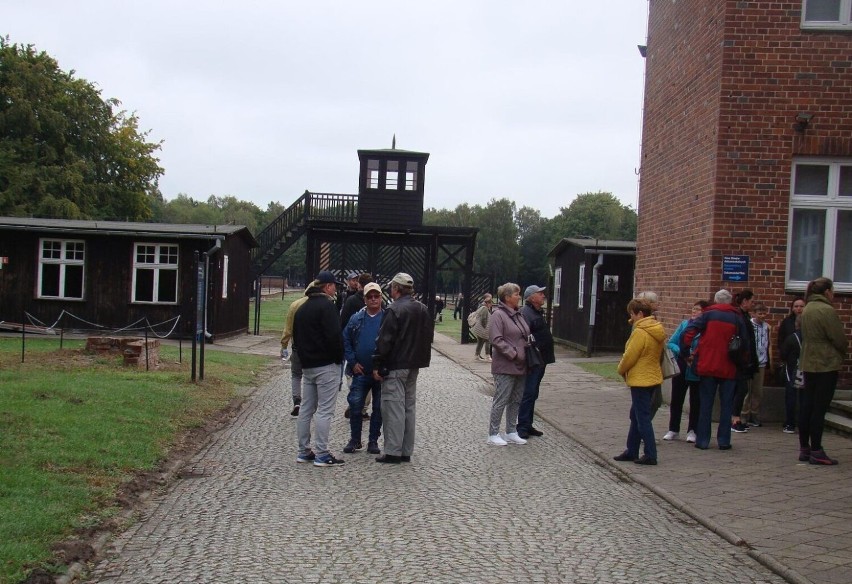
{"x": 824, "y": 348}
{"x": 479, "y": 328}
{"x": 403, "y": 347}
{"x": 316, "y": 334}
{"x": 458, "y": 309}
{"x": 540, "y": 331}
{"x": 640, "y": 368}
{"x": 359, "y": 344}
{"x": 715, "y": 365}
{"x": 509, "y": 336}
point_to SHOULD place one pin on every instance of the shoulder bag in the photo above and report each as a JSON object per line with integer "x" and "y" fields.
{"x": 668, "y": 363}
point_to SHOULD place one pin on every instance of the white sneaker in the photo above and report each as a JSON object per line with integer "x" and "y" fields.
{"x": 488, "y": 358}
{"x": 479, "y": 358}
{"x": 690, "y": 436}
{"x": 497, "y": 440}
{"x": 670, "y": 435}
{"x": 513, "y": 438}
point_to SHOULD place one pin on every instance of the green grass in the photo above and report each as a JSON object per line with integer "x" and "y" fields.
{"x": 273, "y": 311}
{"x": 74, "y": 428}
{"x": 605, "y": 370}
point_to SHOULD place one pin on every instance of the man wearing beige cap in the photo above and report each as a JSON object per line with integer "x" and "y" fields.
{"x": 404, "y": 346}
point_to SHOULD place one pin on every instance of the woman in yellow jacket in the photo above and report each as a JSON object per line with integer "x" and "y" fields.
{"x": 640, "y": 368}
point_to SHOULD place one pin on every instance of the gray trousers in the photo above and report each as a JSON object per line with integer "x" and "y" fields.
{"x": 296, "y": 376}
{"x": 399, "y": 409}
{"x": 319, "y": 395}
{"x": 508, "y": 391}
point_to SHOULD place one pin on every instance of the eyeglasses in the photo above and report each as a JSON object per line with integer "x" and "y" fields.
{"x": 373, "y": 296}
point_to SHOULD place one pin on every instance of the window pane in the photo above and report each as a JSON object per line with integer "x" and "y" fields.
{"x": 167, "y": 289}
{"x": 73, "y": 281}
{"x": 50, "y": 280}
{"x": 145, "y": 254}
{"x": 811, "y": 179}
{"x": 74, "y": 250}
{"x": 169, "y": 254}
{"x": 846, "y": 181}
{"x": 843, "y": 247}
{"x": 391, "y": 180}
{"x": 144, "y": 286}
{"x": 822, "y": 10}
{"x": 807, "y": 244}
{"x": 51, "y": 250}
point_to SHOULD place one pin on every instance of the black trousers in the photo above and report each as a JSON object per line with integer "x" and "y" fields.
{"x": 813, "y": 404}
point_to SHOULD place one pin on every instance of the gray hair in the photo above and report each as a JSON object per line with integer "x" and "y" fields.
{"x": 507, "y": 290}
{"x": 723, "y": 297}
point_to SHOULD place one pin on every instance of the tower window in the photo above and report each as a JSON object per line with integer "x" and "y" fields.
{"x": 392, "y": 176}
{"x": 410, "y": 176}
{"x": 372, "y": 174}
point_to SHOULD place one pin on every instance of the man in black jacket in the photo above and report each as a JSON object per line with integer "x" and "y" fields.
{"x": 540, "y": 331}
{"x": 404, "y": 346}
{"x": 316, "y": 333}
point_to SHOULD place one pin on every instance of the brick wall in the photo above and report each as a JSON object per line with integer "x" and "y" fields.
{"x": 724, "y": 82}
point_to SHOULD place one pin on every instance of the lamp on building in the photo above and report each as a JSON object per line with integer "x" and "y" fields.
{"x": 803, "y": 119}
{"x": 643, "y": 50}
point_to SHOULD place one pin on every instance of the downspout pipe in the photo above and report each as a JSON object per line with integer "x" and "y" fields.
{"x": 593, "y": 304}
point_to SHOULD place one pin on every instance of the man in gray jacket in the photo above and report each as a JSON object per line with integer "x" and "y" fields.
{"x": 404, "y": 346}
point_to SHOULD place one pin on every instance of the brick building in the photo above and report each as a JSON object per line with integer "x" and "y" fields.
{"x": 747, "y": 152}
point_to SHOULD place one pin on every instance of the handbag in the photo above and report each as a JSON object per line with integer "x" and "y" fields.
{"x": 668, "y": 363}
{"x": 534, "y": 358}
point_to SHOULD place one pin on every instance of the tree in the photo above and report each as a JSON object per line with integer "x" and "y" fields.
{"x": 598, "y": 215}
{"x": 534, "y": 245}
{"x": 64, "y": 151}
{"x": 497, "y": 245}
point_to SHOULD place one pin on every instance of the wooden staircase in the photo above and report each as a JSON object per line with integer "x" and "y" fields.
{"x": 290, "y": 225}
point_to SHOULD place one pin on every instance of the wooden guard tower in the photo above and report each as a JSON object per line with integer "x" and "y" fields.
{"x": 380, "y": 230}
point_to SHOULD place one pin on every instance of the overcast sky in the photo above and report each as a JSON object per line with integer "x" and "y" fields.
{"x": 535, "y": 101}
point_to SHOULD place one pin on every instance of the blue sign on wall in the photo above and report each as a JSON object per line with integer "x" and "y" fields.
{"x": 735, "y": 268}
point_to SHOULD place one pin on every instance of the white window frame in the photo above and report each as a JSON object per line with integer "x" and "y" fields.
{"x": 225, "y": 276}
{"x": 72, "y": 252}
{"x": 581, "y": 286}
{"x": 557, "y": 286}
{"x": 157, "y": 266}
{"x": 845, "y": 22}
{"x": 831, "y": 204}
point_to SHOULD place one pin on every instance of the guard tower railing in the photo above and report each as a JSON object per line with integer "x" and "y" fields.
{"x": 286, "y": 229}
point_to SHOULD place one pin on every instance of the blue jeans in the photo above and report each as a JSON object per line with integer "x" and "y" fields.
{"x": 707, "y": 388}
{"x": 531, "y": 387}
{"x": 641, "y": 429}
{"x": 361, "y": 385}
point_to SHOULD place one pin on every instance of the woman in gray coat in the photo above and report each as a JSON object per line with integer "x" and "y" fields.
{"x": 824, "y": 348}
{"x": 509, "y": 335}
{"x": 480, "y": 328}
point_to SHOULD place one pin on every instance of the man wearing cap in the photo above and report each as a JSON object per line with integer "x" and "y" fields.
{"x": 404, "y": 346}
{"x": 540, "y": 331}
{"x": 286, "y": 336}
{"x": 359, "y": 343}
{"x": 316, "y": 334}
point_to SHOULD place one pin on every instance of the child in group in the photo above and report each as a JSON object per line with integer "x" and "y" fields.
{"x": 763, "y": 346}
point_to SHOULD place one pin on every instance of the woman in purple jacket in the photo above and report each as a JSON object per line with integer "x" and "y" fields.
{"x": 509, "y": 336}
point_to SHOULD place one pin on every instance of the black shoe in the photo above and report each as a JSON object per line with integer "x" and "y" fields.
{"x": 405, "y": 458}
{"x": 724, "y": 446}
{"x": 365, "y": 417}
{"x": 295, "y": 411}
{"x": 388, "y": 459}
{"x": 373, "y": 448}
{"x": 523, "y": 434}
{"x": 701, "y": 447}
{"x": 646, "y": 460}
{"x": 739, "y": 428}
{"x": 624, "y": 457}
{"x": 534, "y": 432}
{"x": 346, "y": 413}
{"x": 353, "y": 446}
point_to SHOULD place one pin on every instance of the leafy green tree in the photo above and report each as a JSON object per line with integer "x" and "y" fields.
{"x": 598, "y": 215}
{"x": 534, "y": 245}
{"x": 497, "y": 245}
{"x": 64, "y": 151}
